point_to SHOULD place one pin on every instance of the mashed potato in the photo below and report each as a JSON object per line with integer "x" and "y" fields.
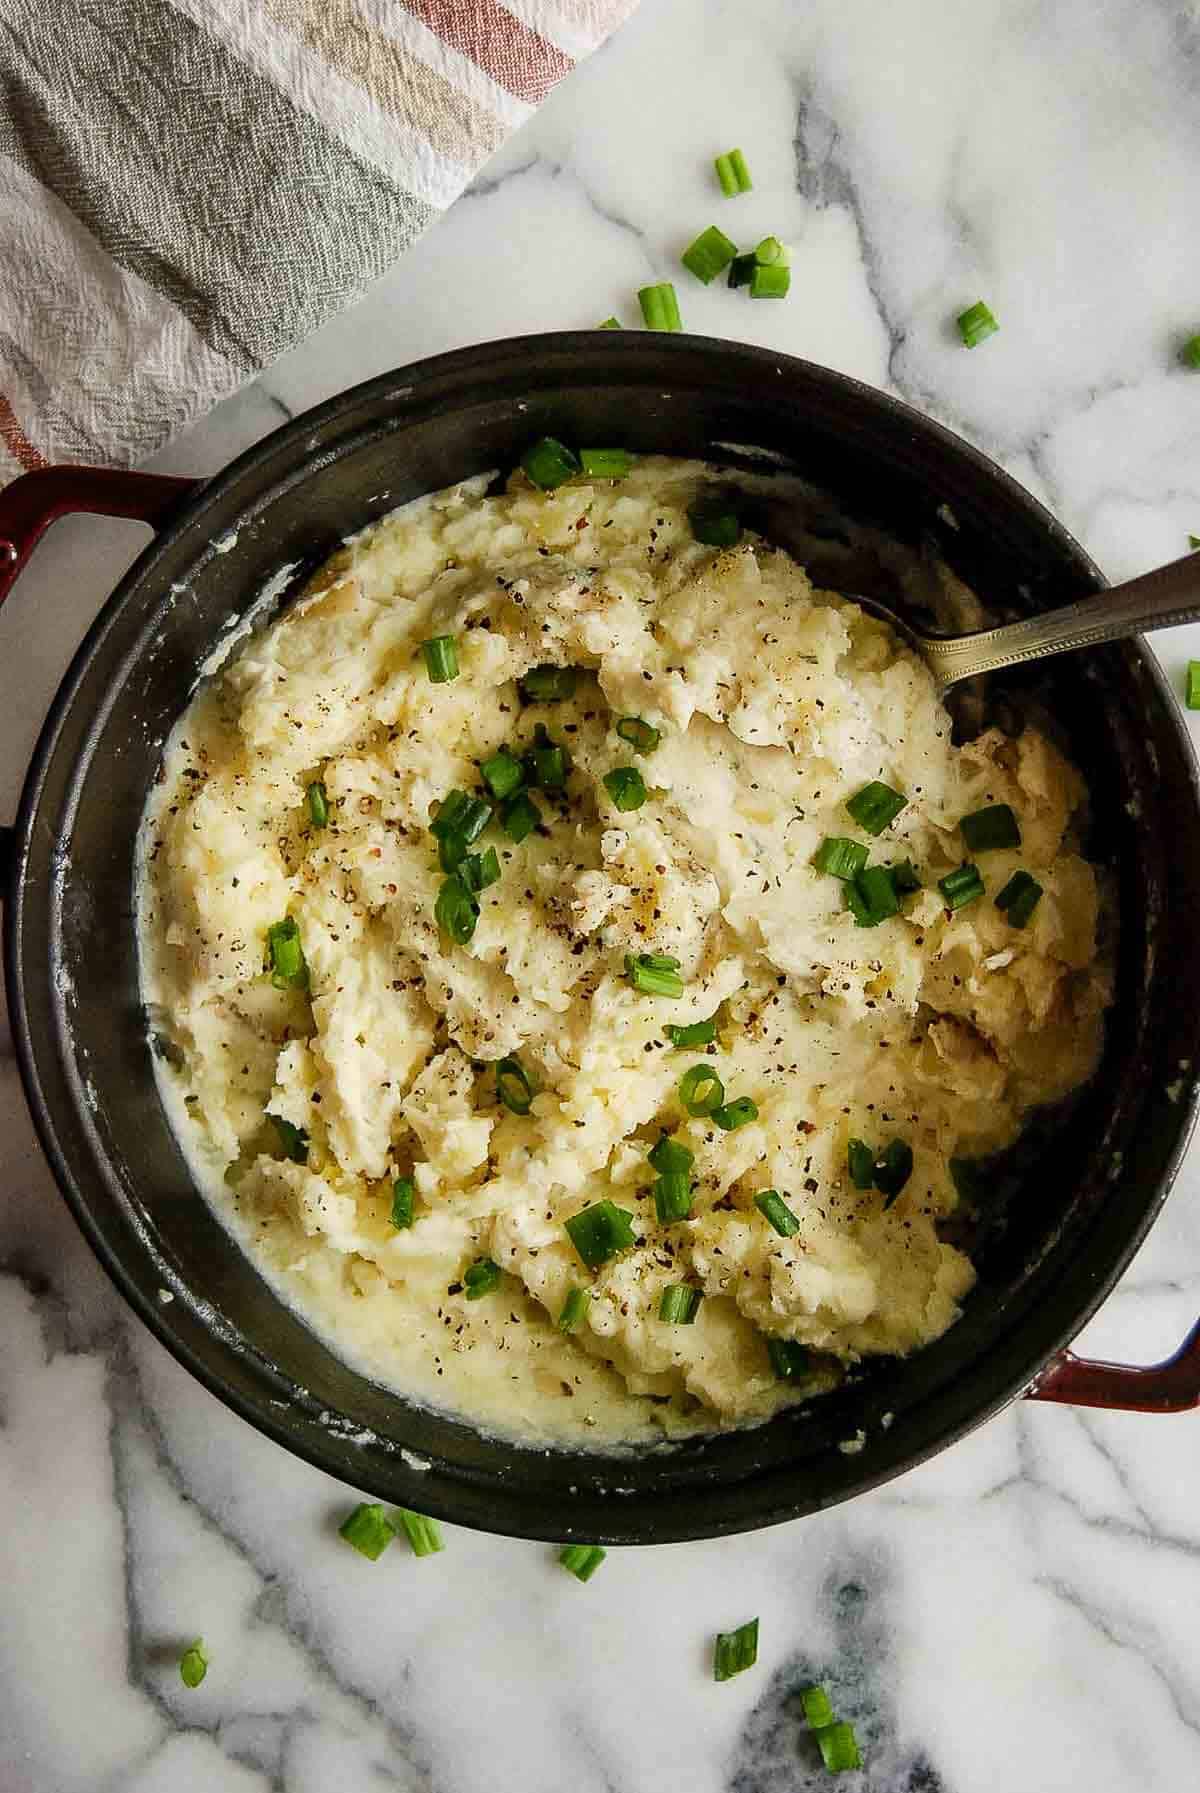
{"x": 302, "y": 1107}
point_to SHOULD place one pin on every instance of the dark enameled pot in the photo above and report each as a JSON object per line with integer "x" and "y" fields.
{"x": 1069, "y": 1227}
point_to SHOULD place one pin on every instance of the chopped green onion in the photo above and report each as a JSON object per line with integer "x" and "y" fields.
{"x": 860, "y": 1162}
{"x": 741, "y": 270}
{"x": 985, "y": 830}
{"x": 546, "y": 763}
{"x": 817, "y": 1706}
{"x": 318, "y": 804}
{"x": 574, "y": 1309}
{"x": 502, "y": 774}
{"x": 769, "y": 252}
{"x": 285, "y": 955}
{"x": 877, "y": 889}
{"x": 610, "y": 324}
{"x": 672, "y": 1197}
{"x": 641, "y": 736}
{"x": 738, "y": 1113}
{"x": 733, "y": 173}
{"x": 904, "y": 877}
{"x": 859, "y": 907}
{"x": 1019, "y": 898}
{"x": 606, "y": 463}
{"x": 961, "y": 886}
{"x": 456, "y": 911}
{"x": 715, "y": 523}
{"x": 441, "y": 659}
{"x": 876, "y": 806}
{"x": 461, "y": 818}
{"x": 479, "y": 870}
{"x": 193, "y": 1664}
{"x": 680, "y": 1304}
{"x": 976, "y": 324}
{"x": 893, "y": 1168}
{"x": 548, "y": 684}
{"x": 626, "y": 786}
{"x": 481, "y": 1277}
{"x": 840, "y": 857}
{"x": 701, "y": 1090}
{"x": 660, "y": 307}
{"x": 369, "y": 1529}
{"x": 651, "y": 978}
{"x": 402, "y": 1203}
{"x": 695, "y": 1033}
{"x": 773, "y": 282}
{"x": 1193, "y": 685}
{"x": 520, "y": 816}
{"x": 709, "y": 255}
{"x": 773, "y": 1208}
{"x": 293, "y": 1139}
{"x": 513, "y": 1086}
{"x": 789, "y": 1359}
{"x": 582, "y": 1559}
{"x": 423, "y": 1535}
{"x": 669, "y": 1155}
{"x": 1194, "y": 541}
{"x": 1191, "y": 351}
{"x": 600, "y": 1232}
{"x": 735, "y": 1651}
{"x": 839, "y": 1747}
{"x": 549, "y": 463}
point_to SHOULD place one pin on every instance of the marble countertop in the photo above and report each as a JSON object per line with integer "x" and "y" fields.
{"x": 1021, "y": 1615}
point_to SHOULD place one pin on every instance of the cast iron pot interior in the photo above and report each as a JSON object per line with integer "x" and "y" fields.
{"x": 1070, "y": 1223}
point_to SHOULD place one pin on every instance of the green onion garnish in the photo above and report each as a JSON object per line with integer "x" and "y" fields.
{"x": 549, "y": 462}
{"x": 893, "y": 1168}
{"x": 318, "y": 804}
{"x": 582, "y": 1559}
{"x": 669, "y": 1155}
{"x": 519, "y": 817}
{"x": 773, "y": 1208}
{"x": 701, "y": 1090}
{"x": 961, "y": 886}
{"x": 293, "y": 1139}
{"x": 610, "y": 324}
{"x": 714, "y": 523}
{"x": 460, "y": 819}
{"x": 735, "y": 1651}
{"x": 369, "y": 1529}
{"x": 875, "y": 806}
{"x": 859, "y": 907}
{"x": 860, "y": 1162}
{"x": 672, "y": 1197}
{"x": 1194, "y": 542}
{"x": 738, "y": 1113}
{"x": 817, "y": 1707}
{"x": 695, "y": 1033}
{"x": 1193, "y": 685}
{"x": 877, "y": 890}
{"x": 839, "y": 1747}
{"x": 513, "y": 1086}
{"x": 1191, "y": 351}
{"x": 642, "y": 737}
{"x": 840, "y": 857}
{"x": 679, "y": 1304}
{"x": 1019, "y": 898}
{"x": 402, "y": 1203}
{"x": 456, "y": 911}
{"x": 904, "y": 877}
{"x": 479, "y": 870}
{"x": 626, "y": 786}
{"x": 741, "y": 270}
{"x": 654, "y": 974}
{"x": 285, "y": 955}
{"x": 502, "y": 774}
{"x": 733, "y": 173}
{"x": 789, "y": 1359}
{"x": 193, "y": 1664}
{"x": 606, "y": 463}
{"x": 989, "y": 829}
{"x": 481, "y": 1277}
{"x": 441, "y": 659}
{"x": 976, "y": 324}
{"x": 660, "y": 307}
{"x": 423, "y": 1535}
{"x": 574, "y": 1309}
{"x": 547, "y": 684}
{"x": 771, "y": 283}
{"x": 600, "y": 1232}
{"x": 709, "y": 255}
{"x": 546, "y": 763}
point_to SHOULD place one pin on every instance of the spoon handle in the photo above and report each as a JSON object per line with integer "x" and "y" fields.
{"x": 1158, "y": 600}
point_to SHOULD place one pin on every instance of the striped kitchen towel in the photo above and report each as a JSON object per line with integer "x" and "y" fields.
{"x": 188, "y": 187}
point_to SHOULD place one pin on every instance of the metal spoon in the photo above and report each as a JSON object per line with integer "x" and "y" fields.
{"x": 1159, "y": 600}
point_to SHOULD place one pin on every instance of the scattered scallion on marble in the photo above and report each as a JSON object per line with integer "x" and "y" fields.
{"x": 735, "y": 1651}
{"x": 582, "y": 1560}
{"x": 193, "y": 1664}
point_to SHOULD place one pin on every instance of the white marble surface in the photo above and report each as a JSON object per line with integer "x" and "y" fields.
{"x": 1020, "y": 1616}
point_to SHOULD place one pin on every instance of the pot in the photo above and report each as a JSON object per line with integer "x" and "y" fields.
{"x": 1068, "y": 1223}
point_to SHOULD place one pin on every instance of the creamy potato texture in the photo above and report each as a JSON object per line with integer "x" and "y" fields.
{"x": 774, "y": 704}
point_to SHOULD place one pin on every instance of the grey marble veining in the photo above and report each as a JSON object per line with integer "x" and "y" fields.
{"x": 1021, "y": 1615}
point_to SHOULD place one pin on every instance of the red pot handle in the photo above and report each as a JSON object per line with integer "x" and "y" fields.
{"x": 1169, "y": 1387}
{"x": 32, "y": 502}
